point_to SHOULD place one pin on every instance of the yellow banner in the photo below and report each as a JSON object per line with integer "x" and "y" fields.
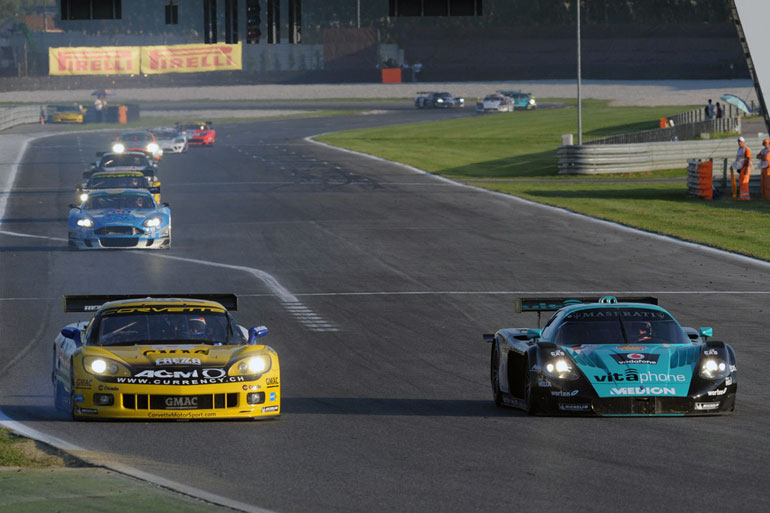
{"x": 105, "y": 60}
{"x": 191, "y": 58}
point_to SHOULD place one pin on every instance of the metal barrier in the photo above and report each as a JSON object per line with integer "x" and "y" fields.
{"x": 689, "y": 127}
{"x": 630, "y": 158}
{"x": 12, "y": 116}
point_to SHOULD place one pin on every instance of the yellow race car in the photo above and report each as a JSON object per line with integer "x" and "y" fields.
{"x": 68, "y": 114}
{"x": 163, "y": 357}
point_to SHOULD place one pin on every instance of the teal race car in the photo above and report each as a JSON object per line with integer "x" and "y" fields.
{"x": 610, "y": 356}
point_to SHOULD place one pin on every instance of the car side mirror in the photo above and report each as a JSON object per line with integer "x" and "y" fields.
{"x": 255, "y": 333}
{"x": 706, "y": 332}
{"x": 72, "y": 205}
{"x": 164, "y": 204}
{"x": 533, "y": 334}
{"x": 72, "y": 334}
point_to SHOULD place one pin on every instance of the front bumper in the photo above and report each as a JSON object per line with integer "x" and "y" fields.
{"x": 572, "y": 400}
{"x": 245, "y": 399}
{"x": 86, "y": 238}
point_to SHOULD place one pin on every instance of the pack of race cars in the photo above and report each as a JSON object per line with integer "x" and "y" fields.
{"x": 118, "y": 205}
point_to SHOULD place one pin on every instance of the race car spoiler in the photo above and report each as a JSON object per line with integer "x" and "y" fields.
{"x": 91, "y": 303}
{"x": 551, "y": 304}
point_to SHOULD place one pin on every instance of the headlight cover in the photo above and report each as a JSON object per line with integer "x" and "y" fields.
{"x": 560, "y": 368}
{"x": 118, "y": 148}
{"x": 100, "y": 366}
{"x": 83, "y": 197}
{"x": 152, "y": 222}
{"x": 85, "y": 222}
{"x": 152, "y": 147}
{"x": 253, "y": 365}
{"x": 713, "y": 368}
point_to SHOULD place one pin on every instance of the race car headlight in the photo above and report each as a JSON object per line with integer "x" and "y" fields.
{"x": 85, "y": 222}
{"x": 560, "y": 368}
{"x": 252, "y": 365}
{"x": 714, "y": 368}
{"x": 118, "y": 148}
{"x": 152, "y": 222}
{"x": 104, "y": 367}
{"x": 83, "y": 197}
{"x": 152, "y": 147}
{"x": 439, "y": 101}
{"x": 531, "y": 101}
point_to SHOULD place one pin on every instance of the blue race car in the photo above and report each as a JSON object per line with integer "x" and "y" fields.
{"x": 611, "y": 357}
{"x": 120, "y": 218}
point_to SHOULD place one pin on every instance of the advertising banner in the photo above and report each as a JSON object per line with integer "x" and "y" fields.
{"x": 105, "y": 60}
{"x": 191, "y": 58}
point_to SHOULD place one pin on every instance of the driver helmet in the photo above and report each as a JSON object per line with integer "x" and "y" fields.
{"x": 196, "y": 326}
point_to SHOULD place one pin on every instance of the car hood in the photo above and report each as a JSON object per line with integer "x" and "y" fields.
{"x": 127, "y": 217}
{"x": 178, "y": 355}
{"x": 644, "y": 370}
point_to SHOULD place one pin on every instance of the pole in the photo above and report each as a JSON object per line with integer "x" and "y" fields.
{"x": 579, "y": 98}
{"x": 358, "y": 13}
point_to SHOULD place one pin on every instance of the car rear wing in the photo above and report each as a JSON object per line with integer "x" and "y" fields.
{"x": 551, "y": 304}
{"x": 91, "y": 302}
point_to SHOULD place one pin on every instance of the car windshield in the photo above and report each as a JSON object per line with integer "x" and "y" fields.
{"x": 165, "y": 134}
{"x": 191, "y": 325}
{"x": 136, "y": 137}
{"x": 117, "y": 182}
{"x": 619, "y": 326}
{"x": 194, "y": 127}
{"x": 67, "y": 109}
{"x": 124, "y": 161}
{"x": 119, "y": 201}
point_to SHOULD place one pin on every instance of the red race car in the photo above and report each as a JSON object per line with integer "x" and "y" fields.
{"x": 199, "y": 133}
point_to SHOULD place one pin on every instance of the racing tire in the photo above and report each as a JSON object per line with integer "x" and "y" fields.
{"x": 64, "y": 402}
{"x": 494, "y": 374}
{"x": 530, "y": 401}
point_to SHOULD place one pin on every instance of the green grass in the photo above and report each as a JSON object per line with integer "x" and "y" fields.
{"x": 516, "y": 154}
{"x": 10, "y": 455}
{"x": 521, "y": 144}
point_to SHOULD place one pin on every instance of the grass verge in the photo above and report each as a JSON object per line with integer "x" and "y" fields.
{"x": 516, "y": 154}
{"x": 35, "y": 478}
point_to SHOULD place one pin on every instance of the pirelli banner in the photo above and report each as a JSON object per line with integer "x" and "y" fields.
{"x": 148, "y": 60}
{"x": 191, "y": 58}
{"x": 88, "y": 60}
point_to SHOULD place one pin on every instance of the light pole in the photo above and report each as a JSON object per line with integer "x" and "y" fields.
{"x": 358, "y": 13}
{"x": 579, "y": 102}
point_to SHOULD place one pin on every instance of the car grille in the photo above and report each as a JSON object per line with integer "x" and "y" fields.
{"x": 179, "y": 402}
{"x": 642, "y": 405}
{"x": 119, "y": 242}
{"x": 118, "y": 230}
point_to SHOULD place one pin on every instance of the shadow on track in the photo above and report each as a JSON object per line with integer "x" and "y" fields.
{"x": 371, "y": 406}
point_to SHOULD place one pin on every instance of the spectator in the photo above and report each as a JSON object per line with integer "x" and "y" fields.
{"x": 719, "y": 111}
{"x": 709, "y": 110}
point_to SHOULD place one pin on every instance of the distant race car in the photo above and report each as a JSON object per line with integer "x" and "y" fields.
{"x": 140, "y": 140}
{"x": 163, "y": 357}
{"x": 126, "y": 161}
{"x": 611, "y": 356}
{"x": 67, "y": 114}
{"x": 170, "y": 140}
{"x": 495, "y": 103}
{"x": 120, "y": 218}
{"x": 199, "y": 133}
{"x": 440, "y": 100}
{"x": 521, "y": 101}
{"x": 118, "y": 180}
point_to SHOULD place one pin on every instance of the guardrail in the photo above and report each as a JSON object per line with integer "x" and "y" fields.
{"x": 13, "y": 116}
{"x": 655, "y": 156}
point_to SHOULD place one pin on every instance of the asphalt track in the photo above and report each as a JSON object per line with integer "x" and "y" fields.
{"x": 377, "y": 282}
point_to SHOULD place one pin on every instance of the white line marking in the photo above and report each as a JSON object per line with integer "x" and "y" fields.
{"x": 85, "y": 455}
{"x": 27, "y": 235}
